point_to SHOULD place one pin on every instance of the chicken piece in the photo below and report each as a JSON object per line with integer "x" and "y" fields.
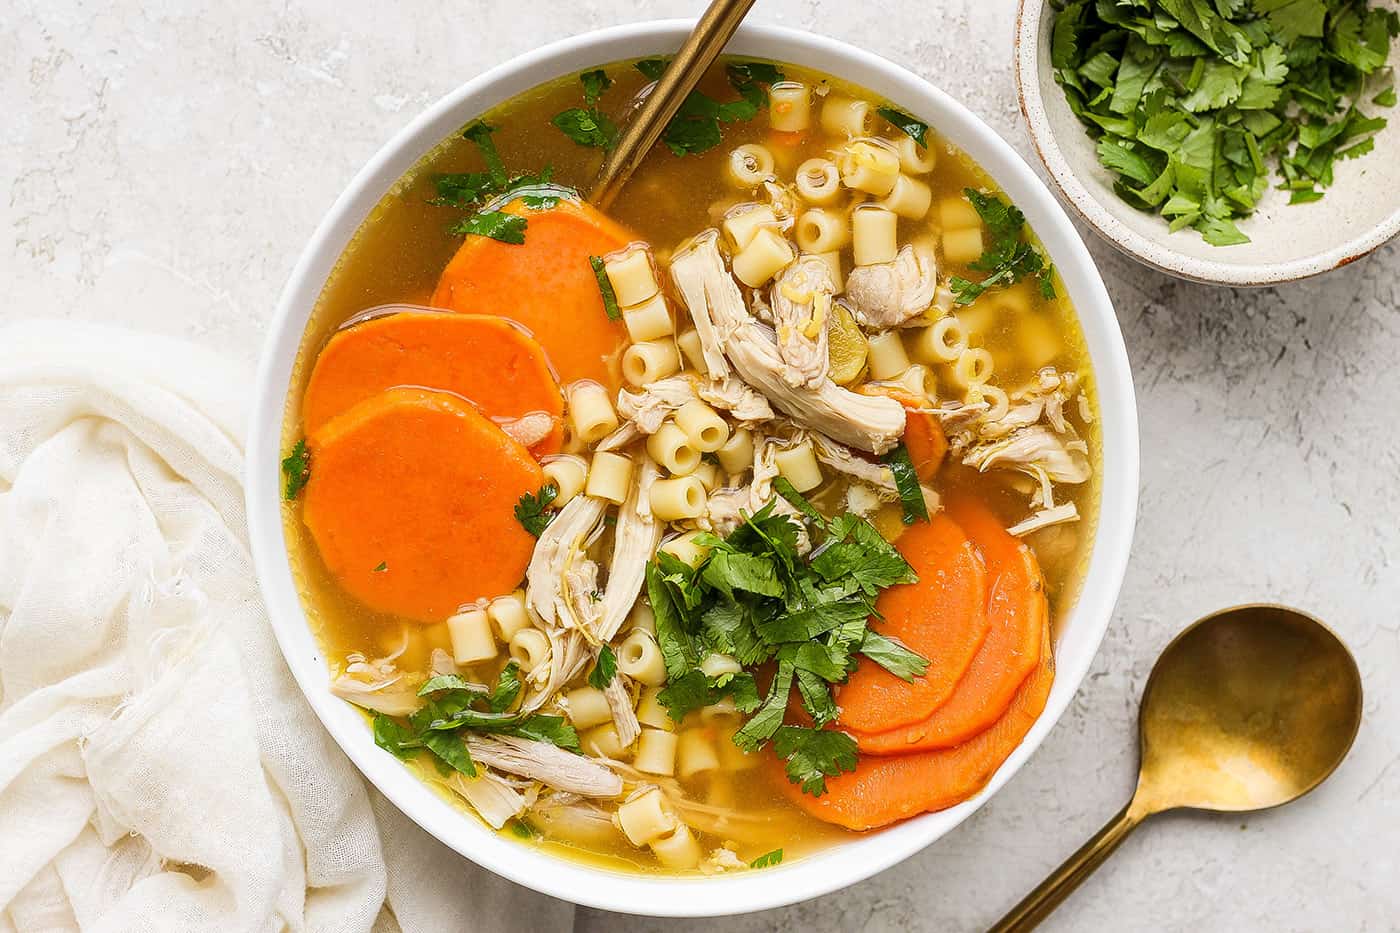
{"x": 868, "y": 422}
{"x": 725, "y": 508}
{"x": 650, "y": 406}
{"x": 569, "y": 653}
{"x": 840, "y": 459}
{"x": 888, "y": 294}
{"x": 560, "y": 546}
{"x": 490, "y": 795}
{"x": 801, "y": 302}
{"x": 1055, "y": 515}
{"x": 530, "y": 429}
{"x": 635, "y": 540}
{"x": 1038, "y": 452}
{"x": 390, "y": 697}
{"x": 624, "y": 716}
{"x": 545, "y": 763}
{"x": 738, "y": 398}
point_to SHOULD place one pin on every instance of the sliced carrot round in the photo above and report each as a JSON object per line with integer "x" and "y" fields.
{"x": 483, "y": 358}
{"x": 942, "y": 617}
{"x": 1018, "y": 614}
{"x": 884, "y": 790}
{"x": 411, "y": 502}
{"x": 546, "y": 284}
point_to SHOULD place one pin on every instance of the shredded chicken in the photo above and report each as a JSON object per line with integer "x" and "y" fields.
{"x": 736, "y": 397}
{"x": 530, "y": 429}
{"x": 648, "y": 407}
{"x": 634, "y": 542}
{"x": 568, "y": 655}
{"x": 721, "y": 860}
{"x": 1055, "y": 515}
{"x": 495, "y": 800}
{"x": 840, "y": 459}
{"x": 389, "y": 697}
{"x": 801, "y": 302}
{"x": 624, "y": 716}
{"x": 725, "y": 507}
{"x": 888, "y": 294}
{"x": 872, "y": 423}
{"x": 625, "y": 434}
{"x": 560, "y": 546}
{"x": 545, "y": 763}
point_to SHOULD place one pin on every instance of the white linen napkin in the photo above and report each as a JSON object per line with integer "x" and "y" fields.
{"x": 159, "y": 769}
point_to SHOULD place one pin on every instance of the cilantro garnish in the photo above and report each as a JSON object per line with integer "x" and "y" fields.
{"x": 1006, "y": 257}
{"x": 767, "y": 859}
{"x": 453, "y": 704}
{"x": 600, "y": 272}
{"x": 1196, "y": 103}
{"x": 480, "y": 133}
{"x": 916, "y": 129}
{"x": 382, "y": 566}
{"x": 906, "y": 481}
{"x": 296, "y": 468}
{"x": 498, "y": 225}
{"x": 604, "y": 670}
{"x": 696, "y": 126}
{"x": 587, "y": 125}
{"x": 757, "y": 599}
{"x": 532, "y": 511}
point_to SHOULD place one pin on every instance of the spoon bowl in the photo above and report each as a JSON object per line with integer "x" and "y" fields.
{"x": 1248, "y": 708}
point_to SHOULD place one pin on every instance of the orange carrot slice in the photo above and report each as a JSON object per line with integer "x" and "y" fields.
{"x": 485, "y": 359}
{"x": 883, "y": 790}
{"x": 942, "y": 617}
{"x": 923, "y": 434}
{"x": 547, "y": 284}
{"x": 411, "y": 501}
{"x": 1018, "y": 613}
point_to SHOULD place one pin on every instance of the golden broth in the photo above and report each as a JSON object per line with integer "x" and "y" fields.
{"x": 398, "y": 253}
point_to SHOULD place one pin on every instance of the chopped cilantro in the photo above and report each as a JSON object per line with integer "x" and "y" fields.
{"x": 906, "y": 480}
{"x": 604, "y": 670}
{"x": 1006, "y": 257}
{"x": 507, "y": 688}
{"x": 813, "y": 755}
{"x": 449, "y": 748}
{"x": 296, "y": 468}
{"x": 480, "y": 133}
{"x": 587, "y": 125}
{"x": 594, "y": 83}
{"x": 768, "y": 859}
{"x": 696, "y": 126}
{"x": 1195, "y": 103}
{"x": 914, "y": 127}
{"x": 498, "y": 225}
{"x": 532, "y": 511}
{"x": 600, "y": 272}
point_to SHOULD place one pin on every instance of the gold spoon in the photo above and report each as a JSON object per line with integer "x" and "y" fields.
{"x": 1247, "y": 709}
{"x": 714, "y": 28}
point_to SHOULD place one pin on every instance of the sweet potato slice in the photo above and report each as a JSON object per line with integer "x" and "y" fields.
{"x": 483, "y": 358}
{"x": 883, "y": 790}
{"x": 411, "y": 502}
{"x": 942, "y": 617}
{"x": 923, "y": 434}
{"x": 546, "y": 284}
{"x": 1017, "y": 612}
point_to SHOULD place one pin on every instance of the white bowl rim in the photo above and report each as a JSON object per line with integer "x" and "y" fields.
{"x": 842, "y": 865}
{"x": 1028, "y": 49}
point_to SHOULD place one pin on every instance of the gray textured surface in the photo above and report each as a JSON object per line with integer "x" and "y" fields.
{"x": 163, "y": 165}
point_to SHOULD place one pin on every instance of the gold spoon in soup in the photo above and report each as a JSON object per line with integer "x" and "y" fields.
{"x": 712, "y": 31}
{"x": 1247, "y": 709}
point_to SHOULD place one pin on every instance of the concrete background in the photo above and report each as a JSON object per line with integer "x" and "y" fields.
{"x": 162, "y": 165}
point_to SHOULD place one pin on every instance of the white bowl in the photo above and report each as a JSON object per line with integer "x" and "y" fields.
{"x": 1360, "y": 212}
{"x": 843, "y": 864}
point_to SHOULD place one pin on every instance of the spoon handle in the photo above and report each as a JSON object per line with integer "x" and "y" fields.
{"x": 714, "y": 28}
{"x": 1038, "y": 905}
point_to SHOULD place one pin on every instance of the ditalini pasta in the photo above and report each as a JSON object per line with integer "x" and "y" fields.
{"x": 594, "y": 529}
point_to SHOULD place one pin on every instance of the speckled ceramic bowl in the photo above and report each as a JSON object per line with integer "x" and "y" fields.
{"x": 1079, "y": 631}
{"x": 1360, "y": 212}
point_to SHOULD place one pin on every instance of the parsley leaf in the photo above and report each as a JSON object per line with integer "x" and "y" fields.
{"x": 480, "y": 133}
{"x": 449, "y": 748}
{"x": 813, "y": 755}
{"x": 506, "y": 690}
{"x": 604, "y": 670}
{"x": 696, "y": 126}
{"x": 394, "y": 737}
{"x": 893, "y": 656}
{"x": 1006, "y": 256}
{"x": 533, "y": 512}
{"x": 587, "y": 125}
{"x": 296, "y": 468}
{"x": 906, "y": 480}
{"x": 498, "y": 225}
{"x": 600, "y": 272}
{"x": 768, "y": 859}
{"x": 914, "y": 127}
{"x": 594, "y": 83}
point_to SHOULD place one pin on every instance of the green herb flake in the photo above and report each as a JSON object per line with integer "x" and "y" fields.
{"x": 521, "y": 829}
{"x": 696, "y": 126}
{"x": 296, "y": 470}
{"x": 600, "y": 272}
{"x": 906, "y": 481}
{"x": 588, "y": 125}
{"x": 498, "y": 225}
{"x": 604, "y": 669}
{"x": 1006, "y": 256}
{"x": 480, "y": 133}
{"x": 813, "y": 755}
{"x": 915, "y": 128}
{"x": 768, "y": 859}
{"x": 449, "y": 748}
{"x": 381, "y": 567}
{"x": 532, "y": 510}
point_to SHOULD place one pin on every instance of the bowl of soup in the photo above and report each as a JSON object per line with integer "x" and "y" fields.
{"x": 717, "y": 549}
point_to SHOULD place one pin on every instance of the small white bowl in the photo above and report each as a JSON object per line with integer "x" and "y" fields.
{"x": 1358, "y": 213}
{"x": 844, "y": 864}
